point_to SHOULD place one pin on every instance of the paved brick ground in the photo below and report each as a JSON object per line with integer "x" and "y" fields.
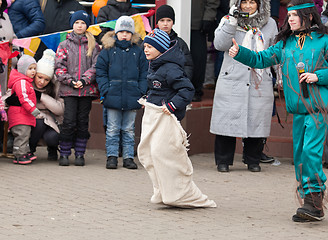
{"x": 46, "y": 201}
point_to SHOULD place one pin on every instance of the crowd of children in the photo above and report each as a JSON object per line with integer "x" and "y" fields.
{"x": 52, "y": 99}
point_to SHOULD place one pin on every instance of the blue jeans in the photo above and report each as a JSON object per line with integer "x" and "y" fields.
{"x": 120, "y": 123}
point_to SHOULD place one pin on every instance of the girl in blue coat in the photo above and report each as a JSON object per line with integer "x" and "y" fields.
{"x": 121, "y": 72}
{"x": 301, "y": 50}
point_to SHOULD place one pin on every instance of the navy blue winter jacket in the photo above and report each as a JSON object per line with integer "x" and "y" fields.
{"x": 121, "y": 72}
{"x": 168, "y": 83}
{"x": 27, "y": 18}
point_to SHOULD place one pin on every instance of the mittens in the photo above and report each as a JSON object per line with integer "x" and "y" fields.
{"x": 3, "y": 114}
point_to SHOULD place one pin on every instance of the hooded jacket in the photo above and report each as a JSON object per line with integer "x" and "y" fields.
{"x": 121, "y": 71}
{"x": 72, "y": 64}
{"x": 168, "y": 83}
{"x": 57, "y": 14}
{"x": 27, "y": 18}
{"x": 22, "y": 86}
{"x": 184, "y": 48}
{"x": 243, "y": 100}
{"x": 113, "y": 10}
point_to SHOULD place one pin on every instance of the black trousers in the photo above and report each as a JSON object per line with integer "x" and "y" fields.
{"x": 76, "y": 118}
{"x": 41, "y": 130}
{"x": 225, "y": 146}
{"x": 198, "y": 50}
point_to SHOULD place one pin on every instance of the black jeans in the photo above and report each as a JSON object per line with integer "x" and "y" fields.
{"x": 76, "y": 118}
{"x": 42, "y": 130}
{"x": 225, "y": 146}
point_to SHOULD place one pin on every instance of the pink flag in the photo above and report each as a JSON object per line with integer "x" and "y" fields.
{"x": 24, "y": 43}
{"x": 146, "y": 23}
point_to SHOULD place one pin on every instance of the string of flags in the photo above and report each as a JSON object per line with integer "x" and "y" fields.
{"x": 31, "y": 44}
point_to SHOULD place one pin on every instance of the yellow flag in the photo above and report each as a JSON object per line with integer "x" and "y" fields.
{"x": 95, "y": 30}
{"x": 139, "y": 26}
{"x": 35, "y": 43}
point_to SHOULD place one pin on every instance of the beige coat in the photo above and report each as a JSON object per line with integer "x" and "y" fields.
{"x": 52, "y": 111}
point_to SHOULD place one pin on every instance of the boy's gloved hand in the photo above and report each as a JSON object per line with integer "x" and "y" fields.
{"x": 36, "y": 112}
{"x": 4, "y": 117}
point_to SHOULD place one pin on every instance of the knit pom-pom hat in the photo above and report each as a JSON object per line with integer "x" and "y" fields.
{"x": 46, "y": 65}
{"x": 158, "y": 39}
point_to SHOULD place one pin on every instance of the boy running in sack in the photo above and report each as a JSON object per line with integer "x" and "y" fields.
{"x": 163, "y": 145}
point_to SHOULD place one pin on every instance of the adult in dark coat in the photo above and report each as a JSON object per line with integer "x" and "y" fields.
{"x": 57, "y": 14}
{"x": 203, "y": 13}
{"x": 113, "y": 10}
{"x": 27, "y": 18}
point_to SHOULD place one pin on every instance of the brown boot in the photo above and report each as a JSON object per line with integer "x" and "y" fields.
{"x": 312, "y": 209}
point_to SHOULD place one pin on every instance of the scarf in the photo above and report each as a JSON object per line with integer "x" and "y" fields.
{"x": 259, "y": 44}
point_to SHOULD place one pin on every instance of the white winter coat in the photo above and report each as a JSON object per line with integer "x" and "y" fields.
{"x": 242, "y": 108}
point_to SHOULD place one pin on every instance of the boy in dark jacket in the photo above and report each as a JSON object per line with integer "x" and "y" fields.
{"x": 121, "y": 72}
{"x": 165, "y": 18}
{"x": 167, "y": 81}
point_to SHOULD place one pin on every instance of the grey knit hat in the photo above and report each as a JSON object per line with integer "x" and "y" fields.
{"x": 124, "y": 23}
{"x": 24, "y": 62}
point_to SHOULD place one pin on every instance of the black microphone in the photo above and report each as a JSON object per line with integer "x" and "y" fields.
{"x": 300, "y": 68}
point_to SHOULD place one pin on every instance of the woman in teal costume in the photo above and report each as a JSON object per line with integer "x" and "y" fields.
{"x": 303, "y": 39}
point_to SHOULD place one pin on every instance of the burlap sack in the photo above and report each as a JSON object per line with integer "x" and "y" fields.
{"x": 163, "y": 153}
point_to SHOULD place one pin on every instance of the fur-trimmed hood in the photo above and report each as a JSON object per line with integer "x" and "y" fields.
{"x": 108, "y": 40}
{"x": 260, "y": 19}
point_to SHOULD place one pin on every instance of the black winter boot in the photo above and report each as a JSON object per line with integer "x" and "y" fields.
{"x": 52, "y": 153}
{"x": 79, "y": 160}
{"x": 63, "y": 161}
{"x": 111, "y": 162}
{"x": 65, "y": 152}
{"x": 312, "y": 209}
{"x": 129, "y": 163}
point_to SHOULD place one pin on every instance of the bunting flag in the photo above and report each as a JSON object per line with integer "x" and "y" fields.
{"x": 24, "y": 43}
{"x": 6, "y": 52}
{"x": 95, "y": 30}
{"x": 35, "y": 43}
{"x": 52, "y": 40}
{"x": 139, "y": 25}
{"x": 146, "y": 24}
{"x": 110, "y": 24}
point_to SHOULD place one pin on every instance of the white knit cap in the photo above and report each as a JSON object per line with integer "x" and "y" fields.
{"x": 46, "y": 64}
{"x": 24, "y": 62}
{"x": 124, "y": 23}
